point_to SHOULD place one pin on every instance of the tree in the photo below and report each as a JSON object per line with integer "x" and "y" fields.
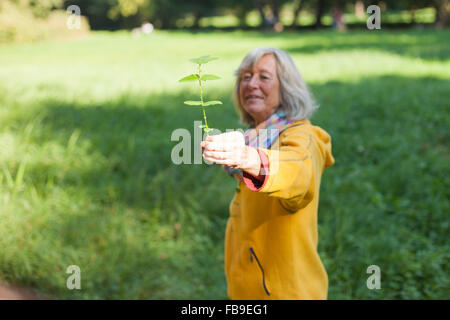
{"x": 260, "y": 7}
{"x": 441, "y": 7}
{"x": 239, "y": 8}
{"x": 298, "y": 8}
{"x": 323, "y": 6}
{"x": 273, "y": 19}
{"x": 96, "y": 12}
{"x": 320, "y": 9}
{"x": 39, "y": 8}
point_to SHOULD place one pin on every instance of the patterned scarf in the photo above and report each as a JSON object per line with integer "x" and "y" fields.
{"x": 262, "y": 137}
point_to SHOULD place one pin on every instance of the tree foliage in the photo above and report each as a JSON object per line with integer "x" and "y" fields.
{"x": 39, "y": 8}
{"x": 116, "y": 14}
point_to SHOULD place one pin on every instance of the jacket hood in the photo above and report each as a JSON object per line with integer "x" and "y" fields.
{"x": 324, "y": 141}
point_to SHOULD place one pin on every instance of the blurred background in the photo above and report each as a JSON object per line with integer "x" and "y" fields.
{"x": 88, "y": 106}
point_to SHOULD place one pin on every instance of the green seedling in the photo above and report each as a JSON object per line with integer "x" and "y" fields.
{"x": 199, "y": 77}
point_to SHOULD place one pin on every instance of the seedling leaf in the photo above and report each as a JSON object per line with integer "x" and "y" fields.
{"x": 212, "y": 103}
{"x": 203, "y": 59}
{"x": 209, "y": 77}
{"x": 191, "y": 77}
{"x": 193, "y": 103}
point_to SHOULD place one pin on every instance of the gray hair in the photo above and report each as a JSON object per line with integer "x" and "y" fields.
{"x": 296, "y": 99}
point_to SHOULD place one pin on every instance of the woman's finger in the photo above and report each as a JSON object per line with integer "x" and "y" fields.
{"x": 219, "y": 155}
{"x": 224, "y": 162}
{"x": 219, "y": 138}
{"x": 214, "y": 146}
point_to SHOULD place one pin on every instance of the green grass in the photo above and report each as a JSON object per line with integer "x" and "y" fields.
{"x": 86, "y": 176}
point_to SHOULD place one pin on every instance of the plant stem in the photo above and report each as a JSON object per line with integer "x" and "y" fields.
{"x": 201, "y": 98}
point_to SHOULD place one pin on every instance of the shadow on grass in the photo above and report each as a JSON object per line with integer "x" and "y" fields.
{"x": 389, "y": 137}
{"x": 124, "y": 191}
{"x": 130, "y": 139}
{"x": 427, "y": 44}
{"x": 423, "y": 44}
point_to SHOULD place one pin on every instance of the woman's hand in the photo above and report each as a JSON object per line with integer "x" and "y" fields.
{"x": 229, "y": 149}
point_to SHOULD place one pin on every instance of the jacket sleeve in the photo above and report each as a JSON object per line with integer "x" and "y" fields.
{"x": 290, "y": 173}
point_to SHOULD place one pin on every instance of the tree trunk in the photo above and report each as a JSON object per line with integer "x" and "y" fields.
{"x": 441, "y": 20}
{"x": 319, "y": 13}
{"x": 164, "y": 22}
{"x": 242, "y": 15}
{"x": 259, "y": 6}
{"x": 197, "y": 17}
{"x": 413, "y": 15}
{"x": 275, "y": 12}
{"x": 297, "y": 13}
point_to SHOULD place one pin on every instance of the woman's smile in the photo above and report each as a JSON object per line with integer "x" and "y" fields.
{"x": 253, "y": 98}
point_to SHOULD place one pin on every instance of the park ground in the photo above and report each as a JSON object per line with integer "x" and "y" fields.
{"x": 86, "y": 176}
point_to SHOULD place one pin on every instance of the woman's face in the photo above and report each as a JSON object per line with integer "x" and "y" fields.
{"x": 259, "y": 89}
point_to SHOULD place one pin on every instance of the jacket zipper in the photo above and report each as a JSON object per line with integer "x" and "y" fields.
{"x": 253, "y": 254}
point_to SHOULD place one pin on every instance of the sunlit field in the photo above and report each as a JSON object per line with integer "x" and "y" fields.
{"x": 86, "y": 176}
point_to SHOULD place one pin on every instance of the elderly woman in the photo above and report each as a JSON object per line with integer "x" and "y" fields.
{"x": 271, "y": 236}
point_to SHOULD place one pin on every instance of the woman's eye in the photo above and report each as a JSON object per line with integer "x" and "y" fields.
{"x": 246, "y": 77}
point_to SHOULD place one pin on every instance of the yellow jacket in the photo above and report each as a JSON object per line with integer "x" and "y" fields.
{"x": 271, "y": 235}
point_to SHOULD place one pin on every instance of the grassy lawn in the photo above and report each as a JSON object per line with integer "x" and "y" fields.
{"x": 86, "y": 176}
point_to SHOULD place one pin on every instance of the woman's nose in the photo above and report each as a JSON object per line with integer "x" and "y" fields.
{"x": 253, "y": 82}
